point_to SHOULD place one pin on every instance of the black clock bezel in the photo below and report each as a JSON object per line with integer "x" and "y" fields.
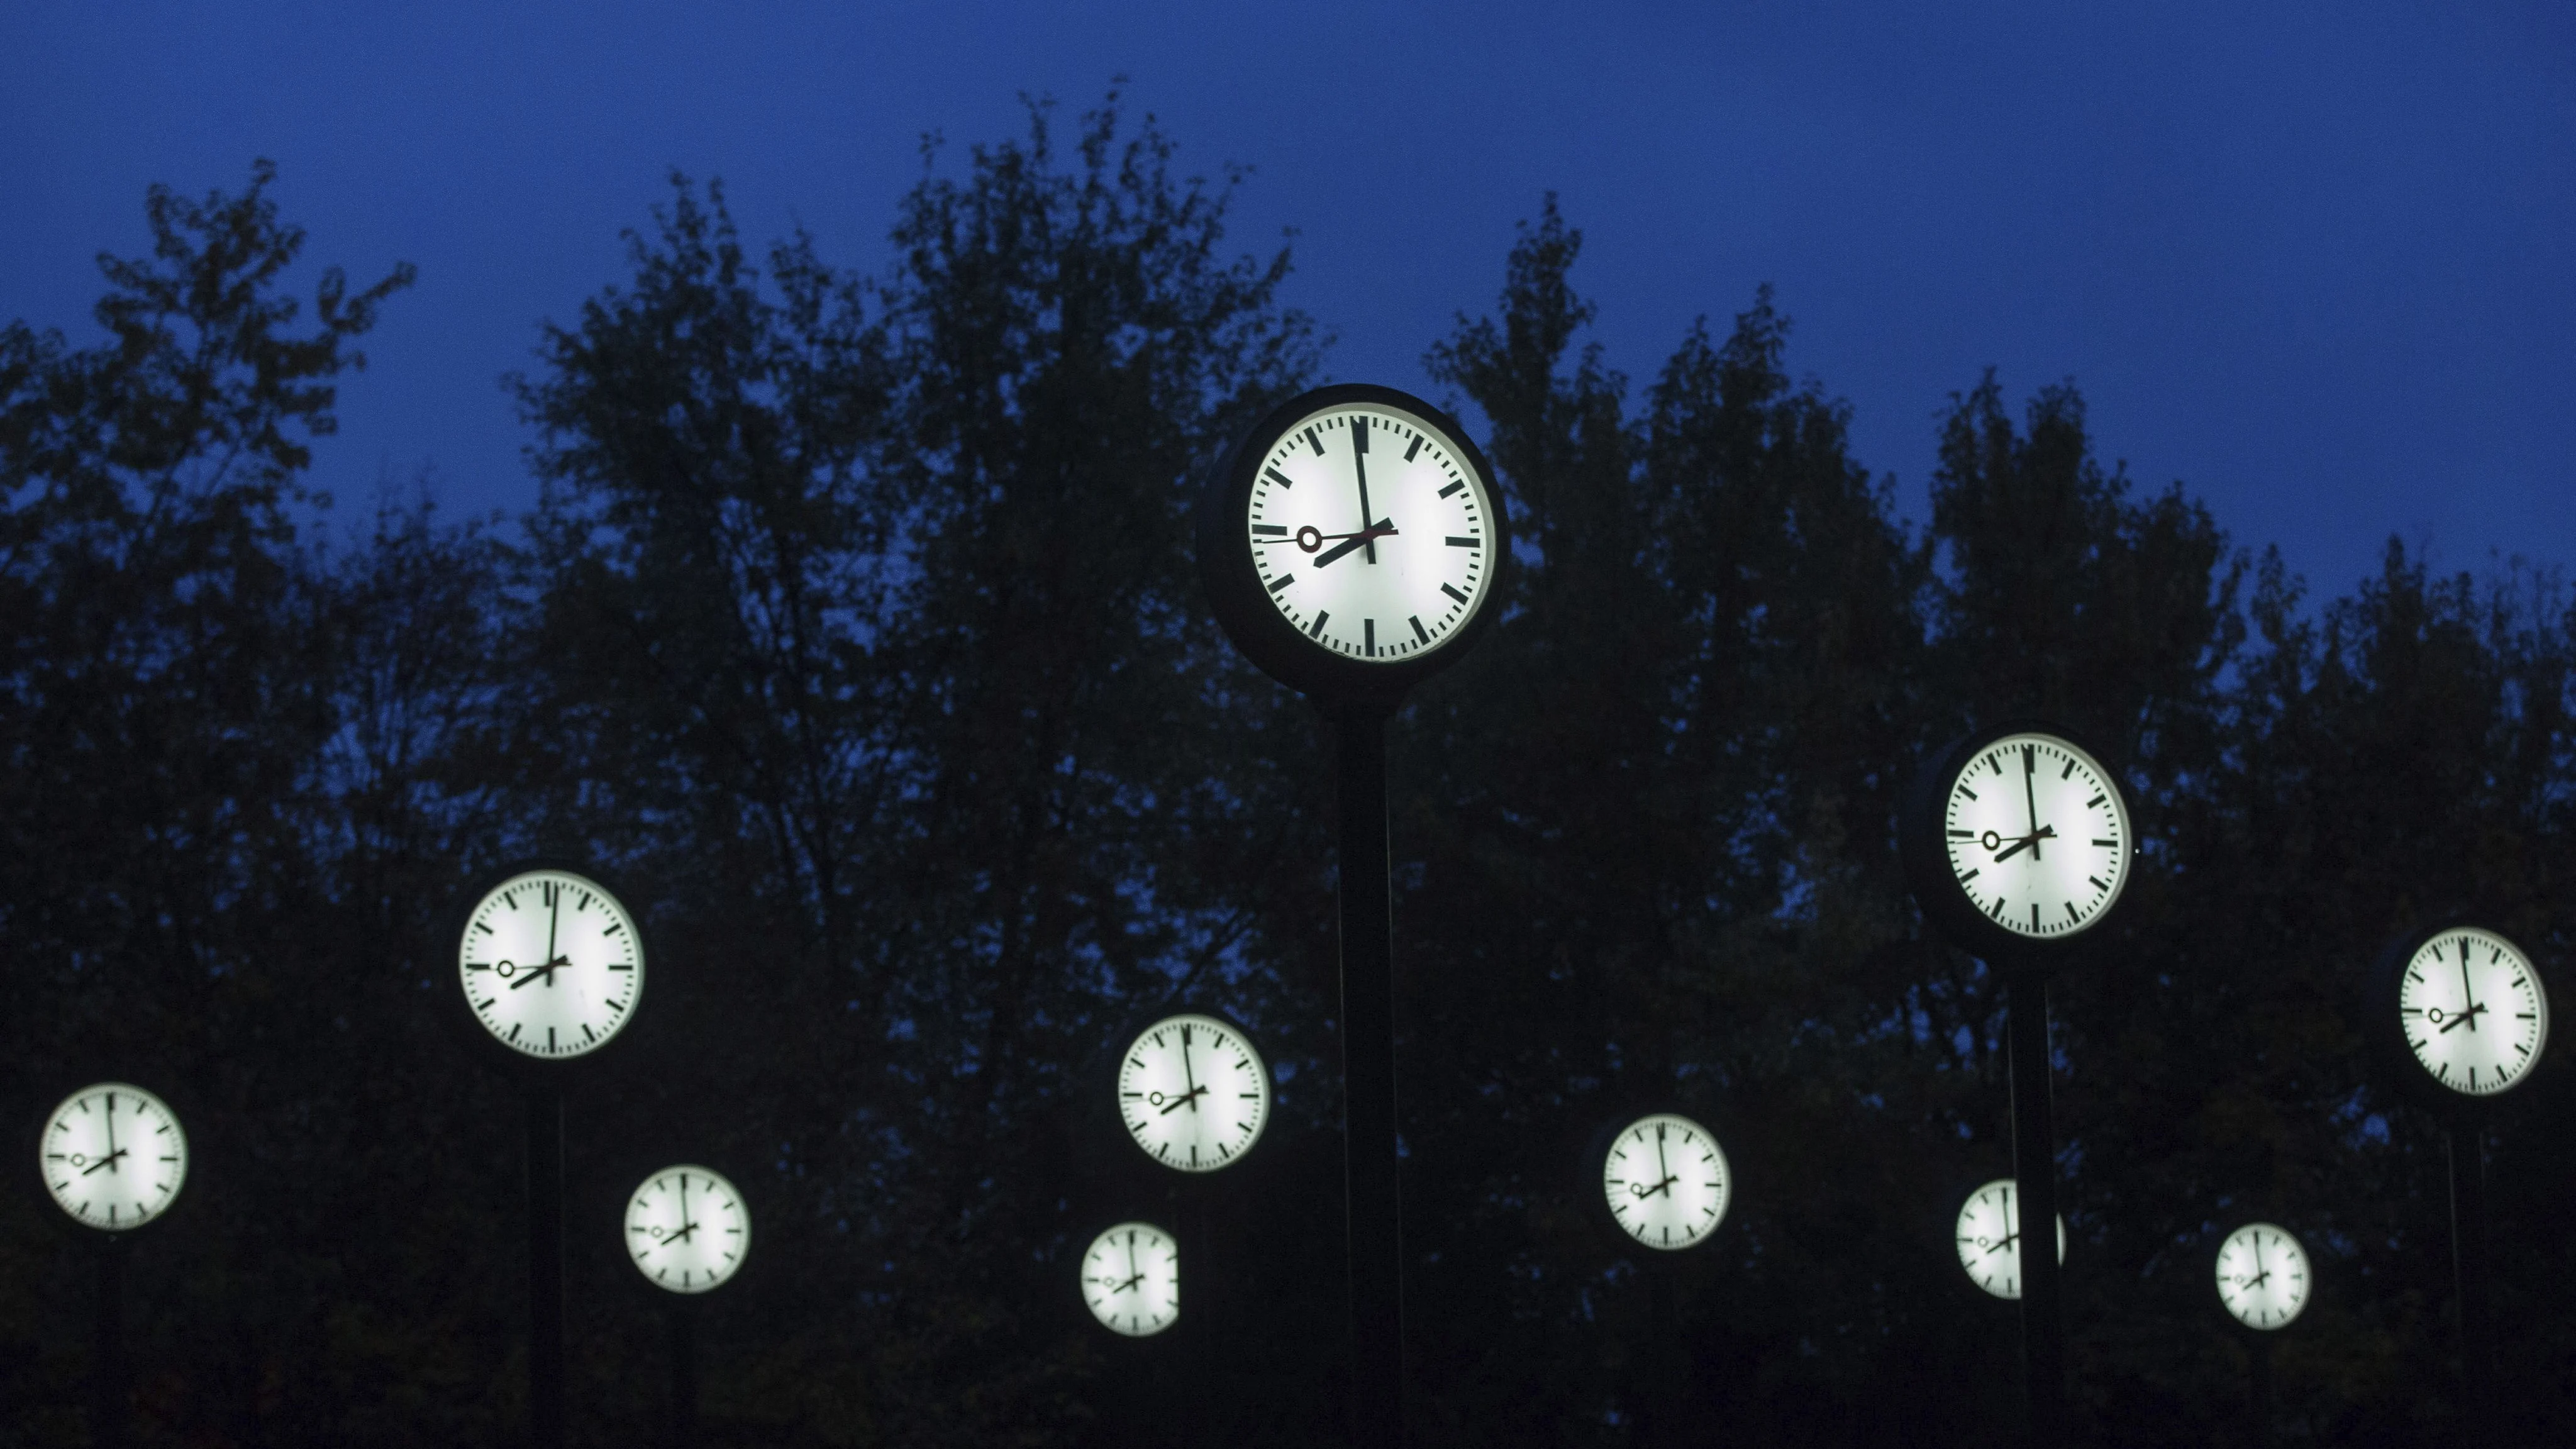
{"x": 1596, "y": 1204}
{"x": 1924, "y": 851}
{"x": 2396, "y": 1061}
{"x": 458, "y": 1014}
{"x": 1244, "y": 610}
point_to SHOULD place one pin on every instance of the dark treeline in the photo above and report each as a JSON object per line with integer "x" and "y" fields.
{"x": 857, "y": 631}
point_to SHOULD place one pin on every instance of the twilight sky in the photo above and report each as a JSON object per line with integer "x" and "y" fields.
{"x": 2316, "y": 261}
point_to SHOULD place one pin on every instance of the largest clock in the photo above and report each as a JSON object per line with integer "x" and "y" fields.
{"x": 1352, "y": 542}
{"x": 551, "y": 963}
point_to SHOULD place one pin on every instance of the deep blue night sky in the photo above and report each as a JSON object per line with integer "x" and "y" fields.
{"x": 2311, "y": 260}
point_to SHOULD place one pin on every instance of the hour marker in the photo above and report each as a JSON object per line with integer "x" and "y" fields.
{"x": 550, "y": 1038}
{"x": 1963, "y": 835}
{"x": 480, "y": 926}
{"x": 2097, "y": 883}
{"x": 1275, "y": 476}
{"x": 1317, "y": 631}
{"x": 2034, "y": 915}
{"x": 1281, "y": 582}
{"x": 2073, "y": 914}
{"x": 621, "y": 965}
{"x": 2111, "y": 843}
{"x": 1419, "y": 632}
{"x": 1453, "y": 593}
{"x": 2069, "y": 770}
{"x": 1455, "y": 541}
{"x": 1972, "y": 875}
{"x": 1964, "y": 790}
{"x": 1271, "y": 530}
{"x": 1454, "y": 487}
{"x": 2096, "y": 800}
{"x": 1368, "y": 637}
{"x": 1416, "y": 448}
{"x": 1314, "y": 442}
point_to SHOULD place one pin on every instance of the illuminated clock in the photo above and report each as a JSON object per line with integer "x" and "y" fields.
{"x": 2263, "y": 1276}
{"x": 1989, "y": 1238}
{"x": 2468, "y": 1010}
{"x": 1193, "y": 1092}
{"x": 551, "y": 963}
{"x": 1352, "y": 542}
{"x": 1131, "y": 1277}
{"x": 687, "y": 1229}
{"x": 1666, "y": 1181}
{"x": 113, "y": 1156}
{"x": 2018, "y": 839}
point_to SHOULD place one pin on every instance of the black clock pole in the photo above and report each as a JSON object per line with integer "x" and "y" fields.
{"x": 2469, "y": 1265}
{"x": 682, "y": 1431}
{"x": 1373, "y": 1196}
{"x": 2043, "y": 1327}
{"x": 2258, "y": 1369}
{"x": 107, "y": 1412}
{"x": 545, "y": 1267}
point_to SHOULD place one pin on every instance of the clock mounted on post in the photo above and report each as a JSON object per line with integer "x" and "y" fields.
{"x": 1353, "y": 544}
{"x": 1193, "y": 1092}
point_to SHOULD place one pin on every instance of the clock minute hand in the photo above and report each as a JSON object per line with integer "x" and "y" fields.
{"x": 2030, "y": 797}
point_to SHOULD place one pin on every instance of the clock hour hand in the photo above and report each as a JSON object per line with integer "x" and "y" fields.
{"x": 1366, "y": 536}
{"x": 2029, "y": 842}
{"x": 102, "y": 1162}
{"x": 547, "y": 971}
{"x": 1187, "y": 1099}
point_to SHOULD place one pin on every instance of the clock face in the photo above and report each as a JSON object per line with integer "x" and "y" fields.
{"x": 2038, "y": 836}
{"x": 2473, "y": 1011}
{"x": 2262, "y": 1276}
{"x": 1990, "y": 1238}
{"x": 113, "y": 1156}
{"x": 551, "y": 964}
{"x": 1131, "y": 1278}
{"x": 687, "y": 1229}
{"x": 1193, "y": 1093}
{"x": 1371, "y": 531}
{"x": 1667, "y": 1181}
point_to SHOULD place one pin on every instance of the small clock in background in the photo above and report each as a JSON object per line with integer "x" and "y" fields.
{"x": 687, "y": 1229}
{"x": 113, "y": 1156}
{"x": 2462, "y": 1013}
{"x": 2263, "y": 1276}
{"x": 551, "y": 962}
{"x": 1352, "y": 542}
{"x": 1666, "y": 1181}
{"x": 2017, "y": 839}
{"x": 1989, "y": 1238}
{"x": 1131, "y": 1278}
{"x": 1194, "y": 1092}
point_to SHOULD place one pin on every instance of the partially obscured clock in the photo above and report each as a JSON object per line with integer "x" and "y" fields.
{"x": 687, "y": 1228}
{"x": 551, "y": 962}
{"x": 2263, "y": 1276}
{"x": 1666, "y": 1181}
{"x": 1193, "y": 1092}
{"x": 2465, "y": 1011}
{"x": 1352, "y": 542}
{"x": 1989, "y": 1238}
{"x": 113, "y": 1156}
{"x": 2016, "y": 839}
{"x": 1131, "y": 1277}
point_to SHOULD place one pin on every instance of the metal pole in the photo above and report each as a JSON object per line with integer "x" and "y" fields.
{"x": 1373, "y": 1196}
{"x": 2469, "y": 1265}
{"x": 107, "y": 1413}
{"x": 2258, "y": 1362}
{"x": 2043, "y": 1328}
{"x": 683, "y": 1429}
{"x": 545, "y": 1268}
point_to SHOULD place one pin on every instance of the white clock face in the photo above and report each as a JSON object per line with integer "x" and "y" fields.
{"x": 1194, "y": 1093}
{"x": 1990, "y": 1238}
{"x": 550, "y": 964}
{"x": 1667, "y": 1181}
{"x": 113, "y": 1156}
{"x": 2038, "y": 838}
{"x": 686, "y": 1229}
{"x": 1131, "y": 1277}
{"x": 2262, "y": 1276}
{"x": 2473, "y": 1011}
{"x": 1371, "y": 531}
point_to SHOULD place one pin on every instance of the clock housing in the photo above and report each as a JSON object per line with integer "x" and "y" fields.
{"x": 687, "y": 1229}
{"x": 1987, "y": 1235}
{"x": 490, "y": 962}
{"x": 2018, "y": 841}
{"x": 2264, "y": 1276}
{"x": 1130, "y": 1279}
{"x": 1194, "y": 1093}
{"x": 2459, "y": 1015}
{"x": 113, "y": 1157}
{"x": 1353, "y": 543}
{"x": 1659, "y": 1179}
